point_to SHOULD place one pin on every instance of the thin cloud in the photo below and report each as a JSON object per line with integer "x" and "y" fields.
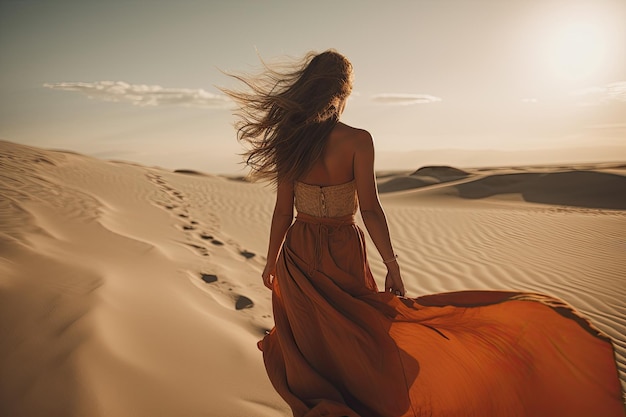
{"x": 594, "y": 96}
{"x": 144, "y": 95}
{"x": 404, "y": 99}
{"x": 608, "y": 126}
{"x": 617, "y": 91}
{"x": 530, "y": 100}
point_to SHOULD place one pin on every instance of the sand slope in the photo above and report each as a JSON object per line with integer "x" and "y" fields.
{"x": 134, "y": 291}
{"x": 102, "y": 307}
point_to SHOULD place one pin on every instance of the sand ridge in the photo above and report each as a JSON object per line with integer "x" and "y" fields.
{"x": 602, "y": 188}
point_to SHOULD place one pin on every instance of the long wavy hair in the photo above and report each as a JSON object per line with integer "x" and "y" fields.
{"x": 288, "y": 112}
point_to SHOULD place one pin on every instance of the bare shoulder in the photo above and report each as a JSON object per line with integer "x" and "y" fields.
{"x": 355, "y": 137}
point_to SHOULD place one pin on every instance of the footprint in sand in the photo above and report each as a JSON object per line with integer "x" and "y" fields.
{"x": 171, "y": 193}
{"x": 208, "y": 278}
{"x": 175, "y": 201}
{"x": 201, "y": 249}
{"x": 241, "y": 301}
{"x": 211, "y": 239}
{"x": 246, "y": 254}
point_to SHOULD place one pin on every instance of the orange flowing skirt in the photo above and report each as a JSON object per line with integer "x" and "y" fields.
{"x": 341, "y": 348}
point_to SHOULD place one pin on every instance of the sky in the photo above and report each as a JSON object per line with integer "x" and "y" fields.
{"x": 461, "y": 82}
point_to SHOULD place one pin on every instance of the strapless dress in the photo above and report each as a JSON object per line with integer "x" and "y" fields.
{"x": 340, "y": 347}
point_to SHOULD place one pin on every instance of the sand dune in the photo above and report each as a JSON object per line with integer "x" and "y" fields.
{"x": 568, "y": 188}
{"x": 443, "y": 173}
{"x": 604, "y": 188}
{"x": 423, "y": 177}
{"x": 103, "y": 309}
{"x": 128, "y": 290}
{"x": 405, "y": 182}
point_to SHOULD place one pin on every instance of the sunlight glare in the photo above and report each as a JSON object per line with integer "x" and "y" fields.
{"x": 578, "y": 51}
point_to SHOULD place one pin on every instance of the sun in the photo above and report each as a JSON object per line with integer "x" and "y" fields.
{"x": 577, "y": 51}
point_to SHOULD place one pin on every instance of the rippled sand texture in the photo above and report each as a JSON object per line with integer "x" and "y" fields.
{"x": 135, "y": 291}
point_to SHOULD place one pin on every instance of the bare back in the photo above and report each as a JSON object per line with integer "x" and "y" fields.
{"x": 336, "y": 166}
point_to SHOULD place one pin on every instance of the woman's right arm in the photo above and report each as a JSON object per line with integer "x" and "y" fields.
{"x": 281, "y": 220}
{"x": 372, "y": 212}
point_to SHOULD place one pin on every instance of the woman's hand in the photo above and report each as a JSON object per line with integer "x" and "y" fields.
{"x": 393, "y": 281}
{"x": 269, "y": 273}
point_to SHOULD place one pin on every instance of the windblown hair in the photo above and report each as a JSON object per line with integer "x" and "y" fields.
{"x": 287, "y": 116}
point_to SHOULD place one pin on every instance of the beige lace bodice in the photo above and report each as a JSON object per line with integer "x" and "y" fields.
{"x": 326, "y": 201}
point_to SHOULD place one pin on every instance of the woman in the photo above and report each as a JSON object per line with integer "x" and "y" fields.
{"x": 341, "y": 348}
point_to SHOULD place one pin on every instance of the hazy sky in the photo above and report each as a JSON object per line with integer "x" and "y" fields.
{"x": 136, "y": 80}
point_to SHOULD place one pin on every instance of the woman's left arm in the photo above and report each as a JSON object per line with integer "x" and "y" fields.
{"x": 281, "y": 220}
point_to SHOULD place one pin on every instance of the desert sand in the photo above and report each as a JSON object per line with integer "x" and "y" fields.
{"x": 131, "y": 291}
